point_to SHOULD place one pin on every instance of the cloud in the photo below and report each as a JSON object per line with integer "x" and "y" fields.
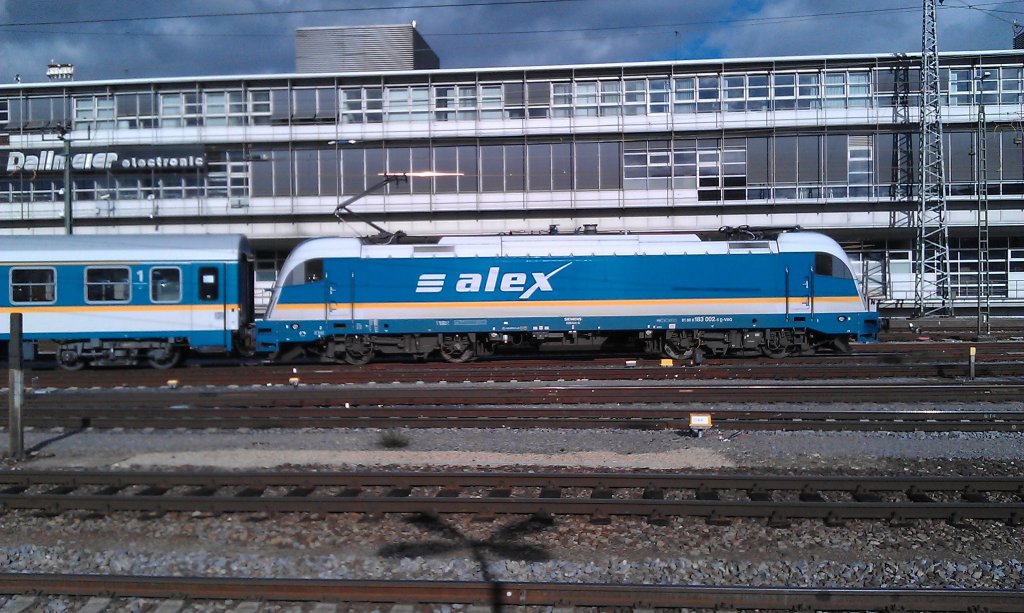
{"x": 468, "y": 35}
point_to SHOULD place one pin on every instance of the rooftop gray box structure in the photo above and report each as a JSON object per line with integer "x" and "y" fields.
{"x": 362, "y": 49}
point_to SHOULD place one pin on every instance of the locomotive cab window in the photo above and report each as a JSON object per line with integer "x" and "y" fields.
{"x": 209, "y": 284}
{"x": 108, "y": 284}
{"x": 30, "y": 285}
{"x": 828, "y": 265}
{"x": 165, "y": 285}
{"x": 309, "y": 271}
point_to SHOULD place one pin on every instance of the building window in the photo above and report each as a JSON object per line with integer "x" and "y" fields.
{"x": 180, "y": 109}
{"x": 708, "y": 95}
{"x": 225, "y": 108}
{"x": 658, "y": 96}
{"x": 611, "y": 99}
{"x": 94, "y": 113}
{"x": 635, "y": 97}
{"x": 165, "y": 285}
{"x": 809, "y": 91}
{"x": 734, "y": 92}
{"x": 259, "y": 106}
{"x": 408, "y": 104}
{"x": 757, "y": 92}
{"x": 108, "y": 284}
{"x": 860, "y": 89}
{"x": 783, "y": 92}
{"x": 561, "y": 99}
{"x": 33, "y": 285}
{"x": 860, "y": 166}
{"x": 362, "y": 105}
{"x": 514, "y": 100}
{"x": 135, "y": 110}
{"x": 1010, "y": 86}
{"x": 586, "y": 99}
{"x": 491, "y": 101}
{"x": 684, "y": 97}
{"x": 538, "y": 99}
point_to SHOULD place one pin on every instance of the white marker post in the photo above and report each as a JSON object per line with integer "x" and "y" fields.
{"x": 16, "y": 387}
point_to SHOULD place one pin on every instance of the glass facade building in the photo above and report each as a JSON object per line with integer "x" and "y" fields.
{"x": 826, "y": 143}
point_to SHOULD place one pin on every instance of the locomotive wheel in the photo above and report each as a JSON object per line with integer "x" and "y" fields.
{"x": 776, "y": 345}
{"x": 457, "y": 348}
{"x": 162, "y": 360}
{"x": 357, "y": 352}
{"x": 774, "y": 352}
{"x": 674, "y": 351}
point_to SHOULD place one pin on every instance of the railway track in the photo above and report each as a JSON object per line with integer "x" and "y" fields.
{"x": 101, "y": 590}
{"x": 524, "y": 393}
{"x": 599, "y": 496}
{"x": 583, "y": 417}
{"x": 922, "y": 360}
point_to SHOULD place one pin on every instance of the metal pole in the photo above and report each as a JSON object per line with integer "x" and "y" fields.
{"x": 16, "y": 387}
{"x": 68, "y": 188}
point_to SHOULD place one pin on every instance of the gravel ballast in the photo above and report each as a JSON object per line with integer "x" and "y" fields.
{"x": 685, "y": 551}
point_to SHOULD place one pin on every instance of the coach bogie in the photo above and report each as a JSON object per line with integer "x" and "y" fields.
{"x": 75, "y": 355}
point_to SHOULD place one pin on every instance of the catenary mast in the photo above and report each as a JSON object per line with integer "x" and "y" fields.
{"x": 932, "y": 288}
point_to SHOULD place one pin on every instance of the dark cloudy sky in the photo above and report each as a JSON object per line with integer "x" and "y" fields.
{"x": 107, "y": 39}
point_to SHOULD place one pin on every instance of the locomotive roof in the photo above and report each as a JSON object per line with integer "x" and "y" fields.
{"x": 123, "y": 248}
{"x": 565, "y": 245}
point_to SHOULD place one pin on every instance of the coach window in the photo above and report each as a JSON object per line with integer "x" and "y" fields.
{"x": 165, "y": 285}
{"x": 30, "y": 285}
{"x": 108, "y": 284}
{"x": 209, "y": 284}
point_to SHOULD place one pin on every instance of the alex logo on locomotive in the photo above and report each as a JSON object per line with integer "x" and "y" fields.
{"x": 496, "y": 280}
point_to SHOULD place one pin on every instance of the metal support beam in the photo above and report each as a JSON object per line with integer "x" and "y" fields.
{"x": 933, "y": 291}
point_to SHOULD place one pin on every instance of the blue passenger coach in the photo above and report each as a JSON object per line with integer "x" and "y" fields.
{"x": 119, "y": 300}
{"x": 467, "y": 296}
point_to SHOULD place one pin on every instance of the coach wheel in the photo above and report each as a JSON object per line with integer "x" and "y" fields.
{"x": 457, "y": 348}
{"x": 70, "y": 360}
{"x": 162, "y": 359}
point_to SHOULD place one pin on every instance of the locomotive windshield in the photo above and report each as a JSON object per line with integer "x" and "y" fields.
{"x": 828, "y": 265}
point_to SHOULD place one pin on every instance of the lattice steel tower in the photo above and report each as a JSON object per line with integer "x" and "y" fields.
{"x": 932, "y": 294}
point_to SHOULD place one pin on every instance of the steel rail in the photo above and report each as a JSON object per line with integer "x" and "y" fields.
{"x": 515, "y": 593}
{"x": 793, "y": 370}
{"x": 649, "y": 495}
{"x": 583, "y": 392}
{"x": 565, "y": 417}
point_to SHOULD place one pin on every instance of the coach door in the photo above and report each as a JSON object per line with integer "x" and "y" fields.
{"x": 799, "y": 292}
{"x": 211, "y": 314}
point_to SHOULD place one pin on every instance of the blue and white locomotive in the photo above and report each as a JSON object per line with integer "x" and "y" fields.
{"x": 464, "y": 297}
{"x": 121, "y": 300}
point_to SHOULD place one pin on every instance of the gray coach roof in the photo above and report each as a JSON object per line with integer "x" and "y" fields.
{"x": 123, "y": 248}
